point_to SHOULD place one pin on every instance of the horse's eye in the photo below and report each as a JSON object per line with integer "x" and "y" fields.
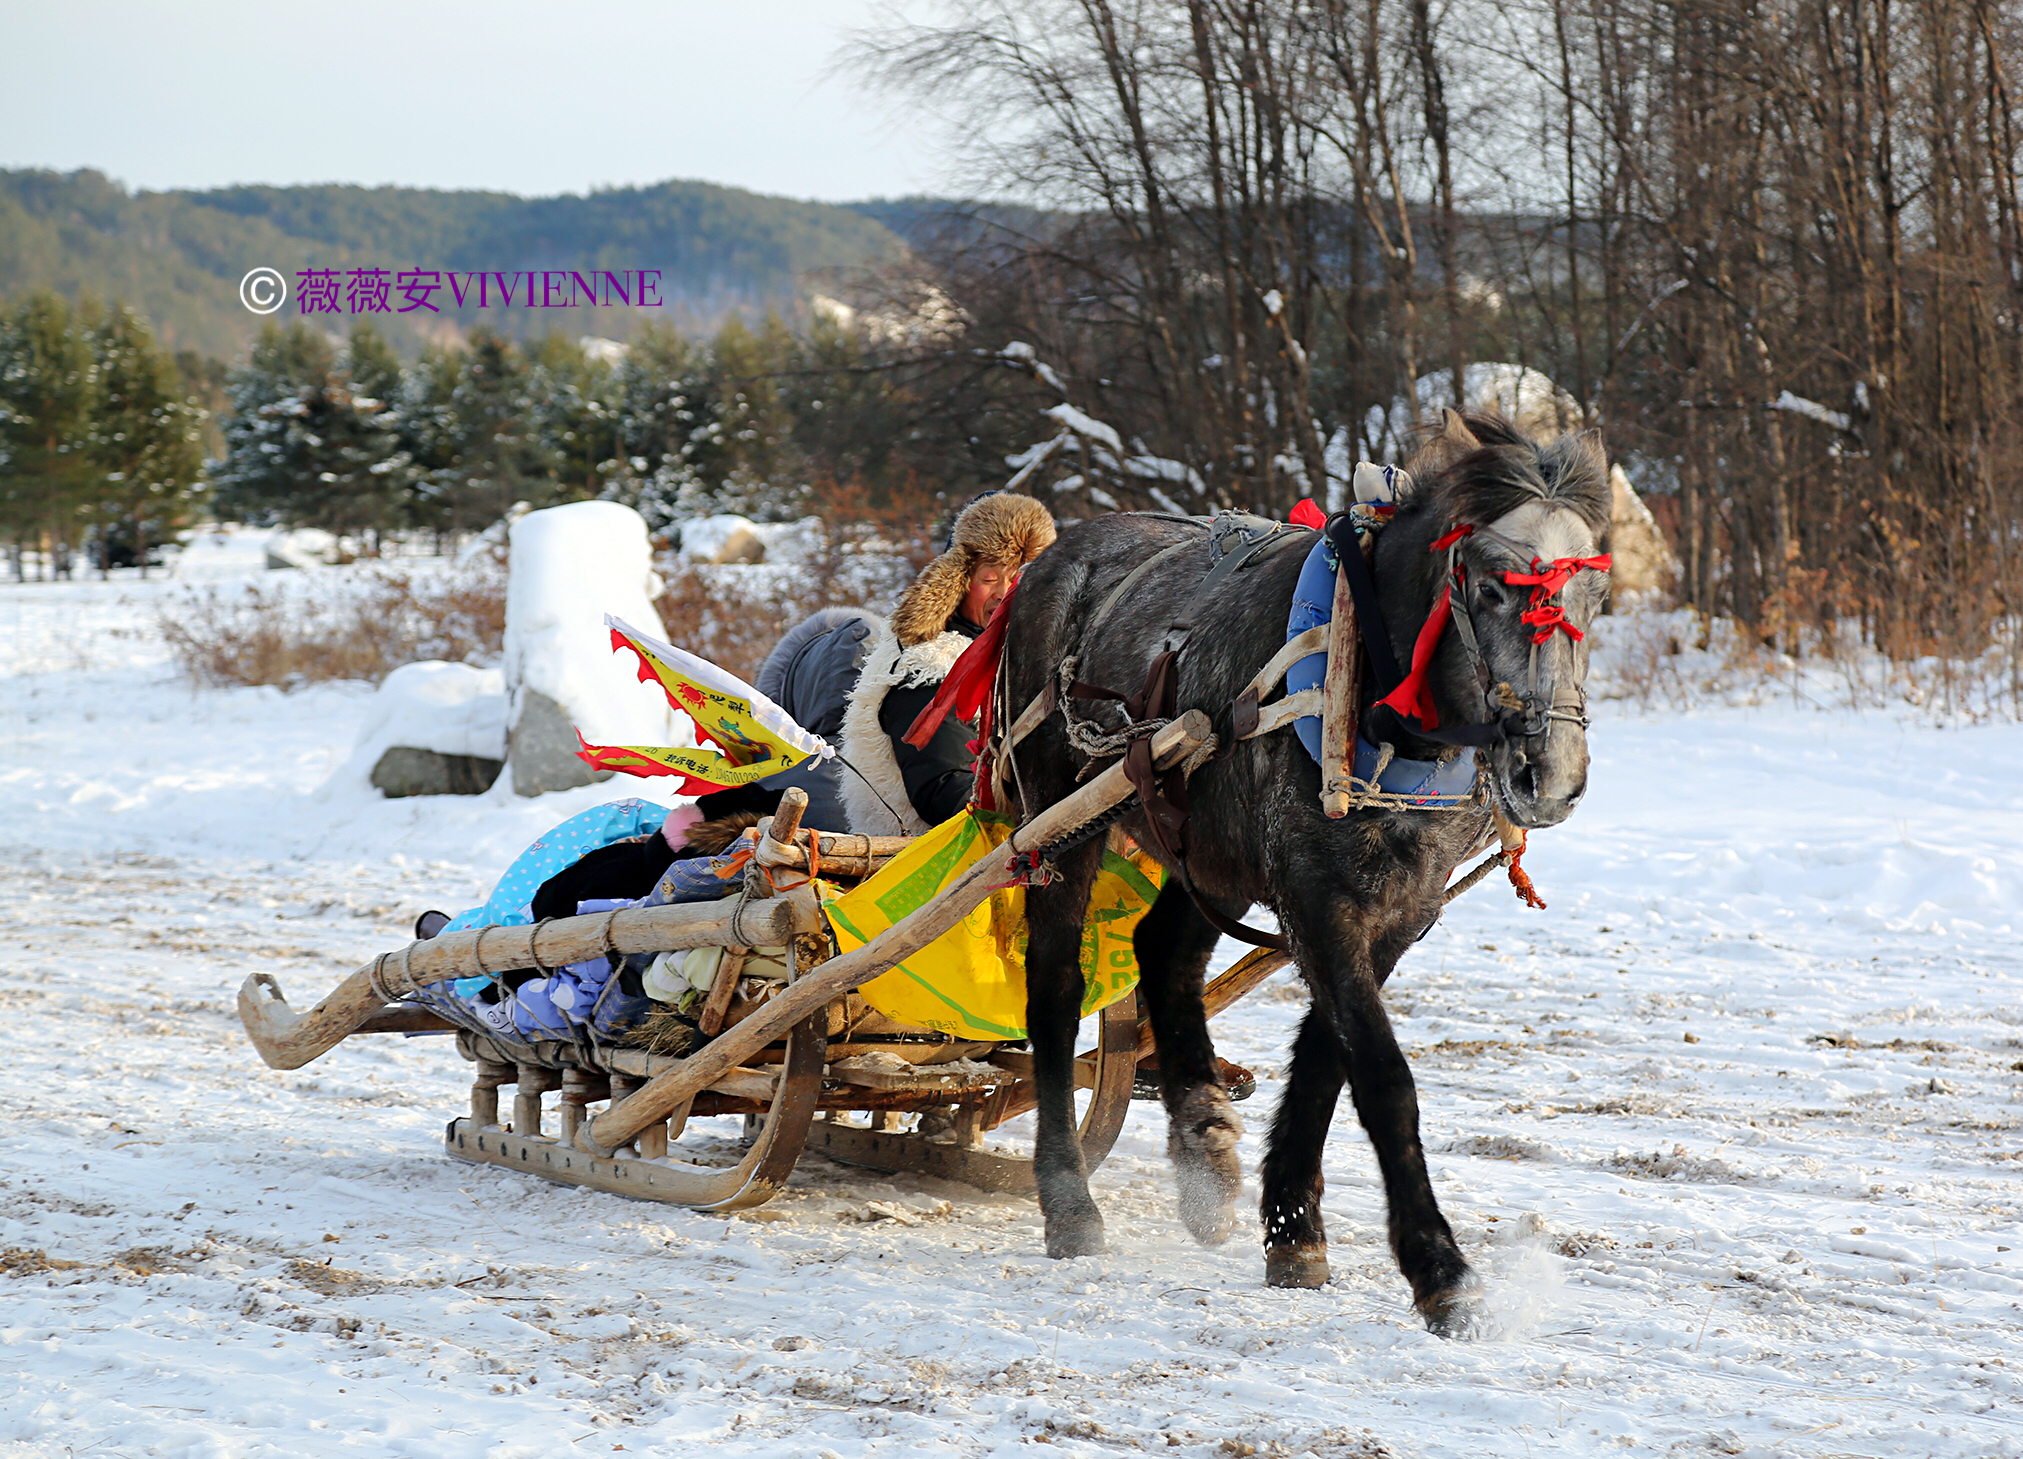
{"x": 1491, "y": 592}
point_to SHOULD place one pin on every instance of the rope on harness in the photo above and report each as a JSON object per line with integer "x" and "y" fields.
{"x": 1087, "y": 735}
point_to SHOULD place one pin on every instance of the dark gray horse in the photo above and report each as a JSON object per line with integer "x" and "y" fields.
{"x": 1351, "y": 895}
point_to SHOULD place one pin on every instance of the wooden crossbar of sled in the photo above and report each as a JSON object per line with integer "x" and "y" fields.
{"x": 788, "y": 1064}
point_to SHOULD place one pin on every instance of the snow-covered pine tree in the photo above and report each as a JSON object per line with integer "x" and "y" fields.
{"x": 303, "y": 447}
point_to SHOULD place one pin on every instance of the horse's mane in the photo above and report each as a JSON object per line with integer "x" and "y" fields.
{"x": 1476, "y": 468}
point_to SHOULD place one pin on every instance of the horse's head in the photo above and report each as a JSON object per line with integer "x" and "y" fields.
{"x": 1514, "y": 529}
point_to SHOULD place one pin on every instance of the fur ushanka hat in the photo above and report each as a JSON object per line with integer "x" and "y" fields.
{"x": 1004, "y": 529}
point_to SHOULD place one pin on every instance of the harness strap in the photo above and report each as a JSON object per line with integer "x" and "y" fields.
{"x": 1132, "y": 578}
{"x": 1341, "y": 536}
{"x": 1219, "y": 572}
{"x": 1163, "y": 794}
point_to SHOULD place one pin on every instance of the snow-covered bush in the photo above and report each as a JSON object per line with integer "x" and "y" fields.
{"x": 352, "y": 623}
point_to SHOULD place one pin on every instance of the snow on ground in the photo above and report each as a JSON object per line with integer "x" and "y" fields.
{"x": 1735, "y": 1129}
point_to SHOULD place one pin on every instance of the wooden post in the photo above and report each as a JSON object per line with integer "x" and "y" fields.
{"x": 579, "y": 1088}
{"x": 991, "y": 871}
{"x": 721, "y": 988}
{"x": 485, "y": 1092}
{"x": 1338, "y": 698}
{"x": 969, "y": 1126}
{"x": 786, "y": 820}
{"x": 534, "y": 1081}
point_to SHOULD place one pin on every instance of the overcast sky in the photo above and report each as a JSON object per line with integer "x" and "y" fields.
{"x": 506, "y": 94}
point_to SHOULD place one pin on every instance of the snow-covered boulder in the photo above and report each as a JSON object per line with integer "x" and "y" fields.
{"x": 1644, "y": 561}
{"x": 306, "y": 547}
{"x": 725, "y": 537}
{"x": 571, "y": 565}
{"x": 433, "y": 728}
{"x": 794, "y": 543}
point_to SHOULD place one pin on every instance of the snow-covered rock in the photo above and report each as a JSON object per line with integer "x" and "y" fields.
{"x": 571, "y": 565}
{"x": 433, "y": 728}
{"x": 305, "y": 547}
{"x": 453, "y": 709}
{"x": 725, "y": 537}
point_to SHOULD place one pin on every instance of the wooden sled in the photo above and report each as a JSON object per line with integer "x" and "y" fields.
{"x": 773, "y": 1062}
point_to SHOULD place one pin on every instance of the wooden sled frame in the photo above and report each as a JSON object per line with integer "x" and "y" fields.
{"x": 775, "y": 1066}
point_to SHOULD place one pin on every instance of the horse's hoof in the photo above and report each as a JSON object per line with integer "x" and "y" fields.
{"x": 1072, "y": 1238}
{"x": 1296, "y": 1266}
{"x": 1455, "y": 1313}
{"x": 1201, "y": 1142}
{"x": 1207, "y": 1206}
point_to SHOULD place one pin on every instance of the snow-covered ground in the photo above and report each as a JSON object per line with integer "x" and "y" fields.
{"x": 1735, "y": 1130}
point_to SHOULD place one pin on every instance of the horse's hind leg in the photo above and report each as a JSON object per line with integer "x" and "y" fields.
{"x": 1054, "y": 985}
{"x": 1174, "y": 942}
{"x": 1295, "y": 1236}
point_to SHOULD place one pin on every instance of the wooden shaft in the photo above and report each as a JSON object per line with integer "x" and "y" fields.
{"x": 1338, "y": 700}
{"x": 991, "y": 871}
{"x": 1239, "y": 979}
{"x": 288, "y": 1040}
{"x": 1014, "y": 1100}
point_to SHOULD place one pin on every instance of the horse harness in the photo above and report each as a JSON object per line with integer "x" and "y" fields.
{"x": 1238, "y": 540}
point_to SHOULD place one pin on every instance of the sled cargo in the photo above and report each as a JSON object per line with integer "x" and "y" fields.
{"x": 810, "y": 1066}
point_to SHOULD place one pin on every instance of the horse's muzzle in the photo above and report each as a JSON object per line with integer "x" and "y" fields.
{"x": 1541, "y": 778}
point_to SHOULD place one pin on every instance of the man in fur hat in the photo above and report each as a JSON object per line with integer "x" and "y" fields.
{"x": 911, "y": 790}
{"x": 859, "y": 682}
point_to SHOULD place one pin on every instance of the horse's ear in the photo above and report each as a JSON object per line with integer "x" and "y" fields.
{"x": 1454, "y": 431}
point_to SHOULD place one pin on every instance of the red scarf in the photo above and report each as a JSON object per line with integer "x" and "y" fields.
{"x": 966, "y": 690}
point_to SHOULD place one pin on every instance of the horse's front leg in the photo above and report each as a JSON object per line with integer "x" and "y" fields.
{"x": 1347, "y": 995}
{"x": 1173, "y": 943}
{"x": 1054, "y": 983}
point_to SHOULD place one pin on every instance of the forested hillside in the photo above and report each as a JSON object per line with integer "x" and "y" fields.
{"x": 178, "y": 257}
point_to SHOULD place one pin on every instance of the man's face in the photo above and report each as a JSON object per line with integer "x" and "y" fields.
{"x": 987, "y": 588}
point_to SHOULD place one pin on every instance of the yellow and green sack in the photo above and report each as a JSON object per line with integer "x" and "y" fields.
{"x": 971, "y": 981}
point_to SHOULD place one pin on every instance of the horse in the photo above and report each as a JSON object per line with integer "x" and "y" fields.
{"x": 1351, "y": 895}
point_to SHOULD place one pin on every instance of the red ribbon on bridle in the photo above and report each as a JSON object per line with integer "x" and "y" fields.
{"x": 1413, "y": 697}
{"x": 1545, "y": 581}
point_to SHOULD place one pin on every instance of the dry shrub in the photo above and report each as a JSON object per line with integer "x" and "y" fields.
{"x": 1678, "y": 660}
{"x": 733, "y": 614}
{"x": 361, "y": 624}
